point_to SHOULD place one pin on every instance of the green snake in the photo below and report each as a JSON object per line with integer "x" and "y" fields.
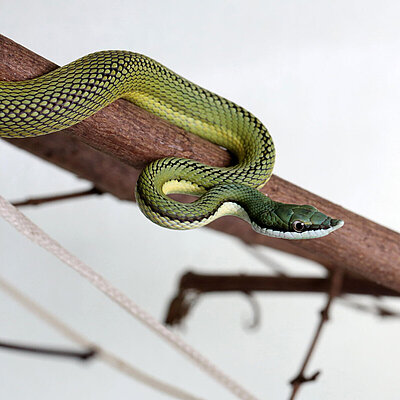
{"x": 72, "y": 93}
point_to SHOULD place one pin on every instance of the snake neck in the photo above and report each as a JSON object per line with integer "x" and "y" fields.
{"x": 238, "y": 200}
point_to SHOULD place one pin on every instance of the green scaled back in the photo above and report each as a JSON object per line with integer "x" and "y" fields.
{"x": 72, "y": 93}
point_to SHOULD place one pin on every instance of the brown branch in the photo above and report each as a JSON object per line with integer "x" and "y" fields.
{"x": 335, "y": 289}
{"x": 206, "y": 283}
{"x": 122, "y": 130}
{"x": 179, "y": 307}
{"x": 193, "y": 284}
{"x": 35, "y": 201}
{"x": 125, "y": 132}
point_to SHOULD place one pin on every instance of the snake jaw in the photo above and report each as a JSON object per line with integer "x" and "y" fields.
{"x": 308, "y": 234}
{"x": 292, "y": 221}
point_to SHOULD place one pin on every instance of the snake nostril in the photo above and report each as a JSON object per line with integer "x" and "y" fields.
{"x": 335, "y": 222}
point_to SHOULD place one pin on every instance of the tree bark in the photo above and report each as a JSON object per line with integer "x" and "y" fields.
{"x": 112, "y": 146}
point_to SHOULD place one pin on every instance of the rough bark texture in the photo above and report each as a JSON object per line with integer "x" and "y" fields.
{"x": 126, "y": 136}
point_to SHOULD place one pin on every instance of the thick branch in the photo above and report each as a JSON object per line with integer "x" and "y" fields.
{"x": 122, "y": 129}
{"x": 125, "y": 132}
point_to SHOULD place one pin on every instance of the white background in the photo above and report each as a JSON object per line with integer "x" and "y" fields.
{"x": 324, "y": 77}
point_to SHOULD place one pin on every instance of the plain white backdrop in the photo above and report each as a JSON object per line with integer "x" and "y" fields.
{"x": 324, "y": 78}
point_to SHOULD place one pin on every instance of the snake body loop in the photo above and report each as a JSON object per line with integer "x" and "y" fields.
{"x": 72, "y": 93}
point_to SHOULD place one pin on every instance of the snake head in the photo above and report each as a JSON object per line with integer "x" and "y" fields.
{"x": 291, "y": 221}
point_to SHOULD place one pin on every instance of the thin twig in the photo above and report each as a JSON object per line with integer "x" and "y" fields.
{"x": 85, "y": 355}
{"x": 374, "y": 309}
{"x": 35, "y": 201}
{"x": 335, "y": 289}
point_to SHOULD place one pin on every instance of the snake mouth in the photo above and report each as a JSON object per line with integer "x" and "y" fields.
{"x": 308, "y": 234}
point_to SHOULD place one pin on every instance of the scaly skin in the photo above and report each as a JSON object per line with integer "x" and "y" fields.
{"x": 72, "y": 93}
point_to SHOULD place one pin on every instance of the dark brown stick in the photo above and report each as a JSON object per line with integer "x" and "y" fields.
{"x": 36, "y": 201}
{"x": 192, "y": 285}
{"x": 80, "y": 355}
{"x": 206, "y": 283}
{"x": 130, "y": 134}
{"x": 335, "y": 288}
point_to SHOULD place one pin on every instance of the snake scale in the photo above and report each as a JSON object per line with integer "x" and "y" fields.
{"x": 72, "y": 93}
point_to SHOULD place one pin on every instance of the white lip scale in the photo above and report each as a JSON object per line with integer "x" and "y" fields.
{"x": 297, "y": 235}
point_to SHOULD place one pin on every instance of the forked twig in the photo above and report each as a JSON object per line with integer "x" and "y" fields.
{"x": 335, "y": 289}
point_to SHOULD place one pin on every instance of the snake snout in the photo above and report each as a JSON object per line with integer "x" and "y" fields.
{"x": 321, "y": 221}
{"x": 336, "y": 222}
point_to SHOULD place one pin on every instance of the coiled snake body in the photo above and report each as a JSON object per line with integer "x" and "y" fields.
{"x": 72, "y": 93}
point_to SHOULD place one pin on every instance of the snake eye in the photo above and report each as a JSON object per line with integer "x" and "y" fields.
{"x": 298, "y": 226}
